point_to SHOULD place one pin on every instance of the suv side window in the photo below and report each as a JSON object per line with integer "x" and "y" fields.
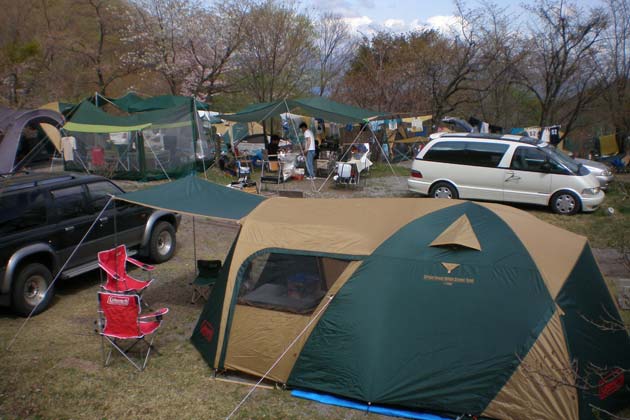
{"x": 20, "y": 211}
{"x": 485, "y": 154}
{"x": 69, "y": 202}
{"x": 100, "y": 193}
{"x": 528, "y": 159}
{"x": 447, "y": 152}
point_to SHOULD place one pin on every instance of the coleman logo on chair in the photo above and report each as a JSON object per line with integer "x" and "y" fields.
{"x": 120, "y": 301}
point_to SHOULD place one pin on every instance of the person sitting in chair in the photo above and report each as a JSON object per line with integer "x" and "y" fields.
{"x": 227, "y": 162}
{"x": 272, "y": 147}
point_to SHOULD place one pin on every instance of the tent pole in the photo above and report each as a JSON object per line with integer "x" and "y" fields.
{"x": 199, "y": 138}
{"x": 342, "y": 156}
{"x": 300, "y": 144}
{"x": 384, "y": 154}
{"x": 194, "y": 247}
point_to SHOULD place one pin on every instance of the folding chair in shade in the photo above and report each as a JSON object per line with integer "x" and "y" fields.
{"x": 208, "y": 272}
{"x": 114, "y": 264}
{"x": 121, "y": 322}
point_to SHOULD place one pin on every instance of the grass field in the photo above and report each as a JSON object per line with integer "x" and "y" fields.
{"x": 54, "y": 368}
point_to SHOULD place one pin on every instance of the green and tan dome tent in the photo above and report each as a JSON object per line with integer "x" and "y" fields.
{"x": 442, "y": 305}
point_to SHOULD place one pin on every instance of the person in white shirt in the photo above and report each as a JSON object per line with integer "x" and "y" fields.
{"x": 309, "y": 146}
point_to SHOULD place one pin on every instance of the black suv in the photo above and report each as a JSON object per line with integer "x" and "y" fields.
{"x": 43, "y": 217}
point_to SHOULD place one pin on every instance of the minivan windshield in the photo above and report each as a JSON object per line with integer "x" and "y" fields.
{"x": 565, "y": 160}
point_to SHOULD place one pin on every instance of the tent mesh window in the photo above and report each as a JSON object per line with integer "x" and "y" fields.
{"x": 288, "y": 282}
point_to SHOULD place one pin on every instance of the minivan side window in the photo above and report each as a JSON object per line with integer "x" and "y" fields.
{"x": 69, "y": 202}
{"x": 100, "y": 193}
{"x": 528, "y": 159}
{"x": 447, "y": 152}
{"x": 474, "y": 153}
{"x": 485, "y": 154}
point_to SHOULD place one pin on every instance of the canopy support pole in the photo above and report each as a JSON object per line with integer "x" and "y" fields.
{"x": 342, "y": 156}
{"x": 194, "y": 247}
{"x": 313, "y": 189}
{"x": 157, "y": 160}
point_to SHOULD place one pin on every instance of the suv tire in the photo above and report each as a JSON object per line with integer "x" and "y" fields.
{"x": 565, "y": 202}
{"x": 443, "y": 190}
{"x": 162, "y": 243}
{"x": 29, "y": 289}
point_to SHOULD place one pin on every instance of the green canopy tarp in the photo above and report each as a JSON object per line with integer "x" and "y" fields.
{"x": 196, "y": 197}
{"x": 318, "y": 107}
{"x": 88, "y": 118}
{"x": 132, "y": 102}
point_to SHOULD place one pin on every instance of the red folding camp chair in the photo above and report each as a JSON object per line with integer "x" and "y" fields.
{"x": 121, "y": 321}
{"x": 114, "y": 262}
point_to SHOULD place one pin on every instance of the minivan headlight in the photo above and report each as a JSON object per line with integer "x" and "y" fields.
{"x": 606, "y": 173}
{"x": 590, "y": 191}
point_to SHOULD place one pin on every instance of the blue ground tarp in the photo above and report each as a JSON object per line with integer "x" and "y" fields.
{"x": 342, "y": 402}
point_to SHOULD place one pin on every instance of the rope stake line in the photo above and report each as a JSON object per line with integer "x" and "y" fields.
{"x": 251, "y": 391}
{"x": 52, "y": 283}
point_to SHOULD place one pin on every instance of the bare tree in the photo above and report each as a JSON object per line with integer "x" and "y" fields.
{"x": 560, "y": 68}
{"x": 105, "y": 22}
{"x": 277, "y": 51}
{"x": 614, "y": 64}
{"x": 335, "y": 48}
{"x": 20, "y": 51}
{"x": 220, "y": 34}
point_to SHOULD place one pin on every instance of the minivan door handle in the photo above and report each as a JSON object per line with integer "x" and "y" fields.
{"x": 69, "y": 228}
{"x": 103, "y": 219}
{"x": 512, "y": 176}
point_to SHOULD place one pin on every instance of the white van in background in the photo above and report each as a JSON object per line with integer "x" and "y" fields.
{"x": 503, "y": 168}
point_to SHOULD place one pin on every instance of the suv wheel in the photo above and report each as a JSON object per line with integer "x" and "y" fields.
{"x": 29, "y": 289}
{"x": 443, "y": 190}
{"x": 565, "y": 202}
{"x": 163, "y": 242}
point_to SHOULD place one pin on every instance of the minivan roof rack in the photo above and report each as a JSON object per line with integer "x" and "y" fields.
{"x": 506, "y": 137}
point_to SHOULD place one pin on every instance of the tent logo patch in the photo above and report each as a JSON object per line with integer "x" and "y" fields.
{"x": 450, "y": 267}
{"x": 611, "y": 383}
{"x": 207, "y": 330}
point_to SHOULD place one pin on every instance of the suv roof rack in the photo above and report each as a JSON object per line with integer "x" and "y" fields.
{"x": 31, "y": 180}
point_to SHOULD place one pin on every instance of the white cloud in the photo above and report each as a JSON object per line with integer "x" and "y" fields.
{"x": 395, "y": 24}
{"x": 358, "y": 23}
{"x": 444, "y": 24}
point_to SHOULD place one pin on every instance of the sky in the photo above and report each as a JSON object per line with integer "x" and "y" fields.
{"x": 370, "y": 16}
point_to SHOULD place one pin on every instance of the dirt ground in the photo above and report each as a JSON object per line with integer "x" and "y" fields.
{"x": 54, "y": 370}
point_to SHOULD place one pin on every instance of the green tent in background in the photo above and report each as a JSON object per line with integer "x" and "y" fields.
{"x": 148, "y": 138}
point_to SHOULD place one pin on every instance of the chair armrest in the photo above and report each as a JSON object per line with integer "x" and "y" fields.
{"x": 140, "y": 264}
{"x": 156, "y": 314}
{"x": 108, "y": 270}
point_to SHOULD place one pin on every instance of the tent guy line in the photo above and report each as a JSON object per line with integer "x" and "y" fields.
{"x": 52, "y": 283}
{"x": 316, "y": 317}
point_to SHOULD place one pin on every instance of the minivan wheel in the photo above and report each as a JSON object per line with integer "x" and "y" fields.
{"x": 443, "y": 190}
{"x": 29, "y": 289}
{"x": 163, "y": 242}
{"x": 565, "y": 202}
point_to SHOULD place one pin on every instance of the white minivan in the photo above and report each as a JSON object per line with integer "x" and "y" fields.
{"x": 503, "y": 168}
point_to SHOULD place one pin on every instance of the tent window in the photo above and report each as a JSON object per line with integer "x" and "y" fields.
{"x": 288, "y": 282}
